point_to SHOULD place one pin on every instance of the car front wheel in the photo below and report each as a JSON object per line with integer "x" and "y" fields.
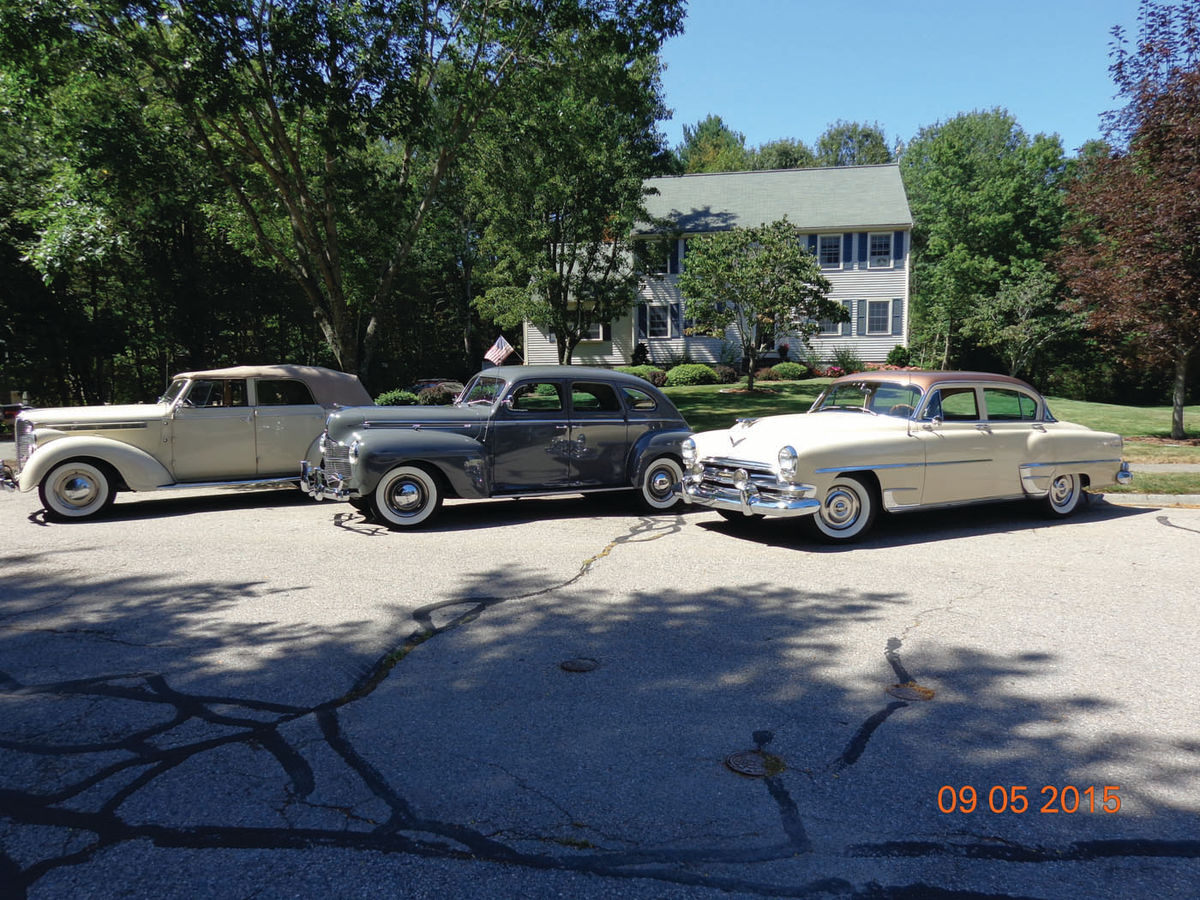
{"x": 1065, "y": 493}
{"x": 847, "y": 510}
{"x": 658, "y": 484}
{"x": 76, "y": 490}
{"x": 406, "y": 496}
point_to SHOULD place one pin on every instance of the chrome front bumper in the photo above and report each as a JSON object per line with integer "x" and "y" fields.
{"x": 321, "y": 485}
{"x": 749, "y": 501}
{"x": 1124, "y": 476}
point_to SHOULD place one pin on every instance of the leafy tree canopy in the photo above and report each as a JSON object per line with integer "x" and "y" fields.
{"x": 755, "y": 279}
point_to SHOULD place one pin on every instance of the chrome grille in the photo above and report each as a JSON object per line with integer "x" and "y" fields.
{"x": 25, "y": 443}
{"x": 337, "y": 461}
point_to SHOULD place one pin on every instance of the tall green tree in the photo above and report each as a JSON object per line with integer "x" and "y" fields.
{"x": 984, "y": 196}
{"x": 852, "y": 144}
{"x": 331, "y": 126}
{"x": 753, "y": 279}
{"x": 557, "y": 191}
{"x": 1133, "y": 254}
{"x": 712, "y": 146}
{"x": 786, "y": 153}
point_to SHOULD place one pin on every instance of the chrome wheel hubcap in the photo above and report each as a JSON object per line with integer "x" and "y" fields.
{"x": 841, "y": 509}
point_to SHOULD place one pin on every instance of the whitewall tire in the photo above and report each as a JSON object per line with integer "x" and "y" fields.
{"x": 406, "y": 496}
{"x": 657, "y": 488}
{"x": 847, "y": 510}
{"x": 76, "y": 490}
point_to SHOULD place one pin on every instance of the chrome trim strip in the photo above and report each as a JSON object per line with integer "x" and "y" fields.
{"x": 104, "y": 426}
{"x": 1069, "y": 462}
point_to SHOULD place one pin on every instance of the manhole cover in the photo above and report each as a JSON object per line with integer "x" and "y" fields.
{"x": 755, "y": 763}
{"x": 579, "y": 664}
{"x": 910, "y": 691}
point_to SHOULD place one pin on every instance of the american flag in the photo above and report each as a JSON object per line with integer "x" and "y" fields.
{"x": 500, "y": 351}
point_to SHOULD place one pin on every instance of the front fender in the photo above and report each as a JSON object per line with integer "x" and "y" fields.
{"x": 138, "y": 469}
{"x": 651, "y": 446}
{"x": 460, "y": 459}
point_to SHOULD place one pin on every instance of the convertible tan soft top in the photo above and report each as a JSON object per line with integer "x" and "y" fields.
{"x": 328, "y": 386}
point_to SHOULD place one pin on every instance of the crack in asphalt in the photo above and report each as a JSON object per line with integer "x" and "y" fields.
{"x": 255, "y": 723}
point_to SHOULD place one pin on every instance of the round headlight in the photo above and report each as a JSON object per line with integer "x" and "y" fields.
{"x": 688, "y": 450}
{"x": 787, "y": 462}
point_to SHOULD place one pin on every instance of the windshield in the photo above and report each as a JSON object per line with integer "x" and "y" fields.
{"x": 482, "y": 389}
{"x": 880, "y": 397}
{"x": 174, "y": 391}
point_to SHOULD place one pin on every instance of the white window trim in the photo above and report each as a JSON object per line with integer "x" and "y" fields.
{"x": 887, "y": 329}
{"x": 891, "y": 258}
{"x": 829, "y": 265}
{"x": 669, "y": 310}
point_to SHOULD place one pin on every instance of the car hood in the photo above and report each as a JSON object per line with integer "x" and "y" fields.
{"x": 760, "y": 439}
{"x": 56, "y": 417}
{"x": 354, "y": 418}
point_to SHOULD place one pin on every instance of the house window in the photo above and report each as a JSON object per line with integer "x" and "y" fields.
{"x": 659, "y": 321}
{"x": 881, "y": 251}
{"x": 828, "y": 327}
{"x": 593, "y": 333}
{"x": 879, "y": 317}
{"x": 829, "y": 250}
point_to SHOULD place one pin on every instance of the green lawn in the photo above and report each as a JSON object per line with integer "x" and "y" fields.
{"x": 717, "y": 406}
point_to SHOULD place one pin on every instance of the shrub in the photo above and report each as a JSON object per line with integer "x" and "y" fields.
{"x": 789, "y": 371}
{"x": 766, "y": 375}
{"x": 725, "y": 374}
{"x": 848, "y": 360}
{"x": 691, "y": 373}
{"x": 899, "y": 356}
{"x": 652, "y": 374}
{"x": 435, "y": 396}
{"x": 396, "y": 397}
{"x": 641, "y": 355}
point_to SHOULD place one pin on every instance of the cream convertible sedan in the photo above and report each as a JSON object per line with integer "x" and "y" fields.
{"x": 903, "y": 441}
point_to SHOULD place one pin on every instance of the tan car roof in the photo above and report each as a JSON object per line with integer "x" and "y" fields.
{"x": 328, "y": 386}
{"x": 925, "y": 380}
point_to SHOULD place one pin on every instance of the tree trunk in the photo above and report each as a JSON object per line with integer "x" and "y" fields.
{"x": 1179, "y": 393}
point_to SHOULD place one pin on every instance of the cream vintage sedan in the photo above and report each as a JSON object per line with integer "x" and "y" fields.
{"x": 901, "y": 441}
{"x": 235, "y": 426}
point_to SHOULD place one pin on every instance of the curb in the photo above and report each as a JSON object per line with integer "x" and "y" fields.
{"x": 1182, "y": 501}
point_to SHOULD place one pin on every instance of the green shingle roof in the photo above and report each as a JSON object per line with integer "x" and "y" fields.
{"x": 836, "y": 199}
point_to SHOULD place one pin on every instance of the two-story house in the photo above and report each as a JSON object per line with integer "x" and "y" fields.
{"x": 855, "y": 219}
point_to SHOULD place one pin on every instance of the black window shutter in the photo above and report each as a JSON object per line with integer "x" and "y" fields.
{"x": 812, "y": 244}
{"x": 848, "y": 250}
{"x": 642, "y": 326}
{"x": 606, "y": 331}
{"x": 863, "y": 241}
{"x": 898, "y": 249}
{"x": 862, "y": 317}
{"x": 897, "y": 317}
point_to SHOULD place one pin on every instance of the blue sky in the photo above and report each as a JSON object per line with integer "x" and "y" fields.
{"x": 790, "y": 68}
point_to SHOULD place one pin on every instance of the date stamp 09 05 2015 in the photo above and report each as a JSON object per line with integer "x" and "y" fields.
{"x": 1015, "y": 799}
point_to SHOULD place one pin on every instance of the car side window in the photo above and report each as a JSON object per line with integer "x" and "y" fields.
{"x": 216, "y": 392}
{"x": 636, "y": 398}
{"x": 1009, "y": 406}
{"x": 594, "y": 397}
{"x": 284, "y": 392}
{"x": 537, "y": 396}
{"x": 953, "y": 405}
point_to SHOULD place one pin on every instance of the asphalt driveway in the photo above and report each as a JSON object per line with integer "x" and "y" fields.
{"x": 254, "y": 695}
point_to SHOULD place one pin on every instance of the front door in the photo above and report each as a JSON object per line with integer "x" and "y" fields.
{"x": 531, "y": 441}
{"x": 212, "y": 433}
{"x": 959, "y": 448}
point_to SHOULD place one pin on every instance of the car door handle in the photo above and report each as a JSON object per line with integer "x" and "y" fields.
{"x": 983, "y": 426}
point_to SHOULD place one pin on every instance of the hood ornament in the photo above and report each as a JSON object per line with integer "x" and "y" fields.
{"x": 736, "y": 433}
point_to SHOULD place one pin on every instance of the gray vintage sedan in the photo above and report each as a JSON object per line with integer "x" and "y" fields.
{"x": 515, "y": 431}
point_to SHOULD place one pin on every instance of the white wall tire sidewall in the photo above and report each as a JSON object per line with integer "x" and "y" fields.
{"x": 847, "y": 510}
{"x": 1066, "y": 490}
{"x": 423, "y": 487}
{"x": 654, "y": 499}
{"x": 76, "y": 490}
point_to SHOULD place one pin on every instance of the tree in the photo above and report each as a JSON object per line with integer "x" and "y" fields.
{"x": 786, "y": 153}
{"x": 557, "y": 192}
{"x": 1133, "y": 255}
{"x": 852, "y": 144}
{"x": 712, "y": 146}
{"x": 755, "y": 278}
{"x": 983, "y": 196}
{"x": 1025, "y": 318}
{"x": 331, "y": 126}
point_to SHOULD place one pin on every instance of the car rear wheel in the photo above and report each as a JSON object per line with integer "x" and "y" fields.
{"x": 658, "y": 484}
{"x": 406, "y": 496}
{"x": 847, "y": 510}
{"x": 76, "y": 490}
{"x": 1065, "y": 493}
